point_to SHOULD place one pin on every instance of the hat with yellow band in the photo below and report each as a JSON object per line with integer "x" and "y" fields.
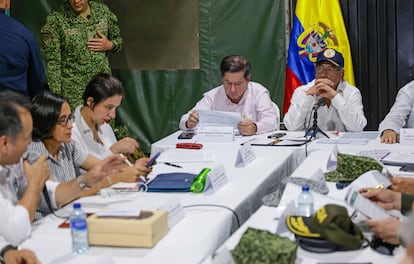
{"x": 331, "y": 222}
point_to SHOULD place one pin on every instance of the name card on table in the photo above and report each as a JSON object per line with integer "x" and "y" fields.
{"x": 216, "y": 178}
{"x": 174, "y": 209}
{"x": 407, "y": 136}
{"x": 215, "y": 134}
{"x": 245, "y": 155}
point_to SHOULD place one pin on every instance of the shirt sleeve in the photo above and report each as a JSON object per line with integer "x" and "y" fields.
{"x": 400, "y": 111}
{"x": 114, "y": 33}
{"x": 79, "y": 154}
{"x": 50, "y": 46}
{"x": 15, "y": 224}
{"x": 350, "y": 110}
{"x": 204, "y": 104}
{"x": 268, "y": 114}
{"x": 299, "y": 109}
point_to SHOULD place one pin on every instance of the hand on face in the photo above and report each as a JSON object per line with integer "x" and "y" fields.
{"x": 37, "y": 173}
{"x": 247, "y": 127}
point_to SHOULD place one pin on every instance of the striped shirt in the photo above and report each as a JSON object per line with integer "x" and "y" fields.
{"x": 67, "y": 166}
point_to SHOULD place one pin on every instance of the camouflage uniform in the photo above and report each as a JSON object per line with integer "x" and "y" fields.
{"x": 70, "y": 64}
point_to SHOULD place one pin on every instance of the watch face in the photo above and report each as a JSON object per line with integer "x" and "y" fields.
{"x": 82, "y": 185}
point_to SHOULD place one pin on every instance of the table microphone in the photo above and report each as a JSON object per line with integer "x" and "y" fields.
{"x": 321, "y": 102}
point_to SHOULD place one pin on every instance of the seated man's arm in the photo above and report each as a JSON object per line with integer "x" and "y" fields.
{"x": 398, "y": 116}
{"x": 299, "y": 109}
{"x": 15, "y": 224}
{"x": 268, "y": 114}
{"x": 204, "y": 104}
{"x": 350, "y": 110}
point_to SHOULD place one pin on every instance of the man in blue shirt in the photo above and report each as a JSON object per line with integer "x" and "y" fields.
{"x": 21, "y": 67}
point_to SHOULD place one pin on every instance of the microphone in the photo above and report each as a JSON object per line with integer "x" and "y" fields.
{"x": 321, "y": 102}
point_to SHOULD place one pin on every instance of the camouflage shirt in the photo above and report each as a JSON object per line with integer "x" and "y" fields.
{"x": 70, "y": 64}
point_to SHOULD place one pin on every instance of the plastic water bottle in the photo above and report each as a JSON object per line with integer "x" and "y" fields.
{"x": 305, "y": 202}
{"x": 79, "y": 229}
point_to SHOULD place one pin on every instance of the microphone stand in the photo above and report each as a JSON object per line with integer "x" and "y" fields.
{"x": 312, "y": 131}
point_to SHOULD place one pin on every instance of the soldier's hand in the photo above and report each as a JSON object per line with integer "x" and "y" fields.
{"x": 100, "y": 44}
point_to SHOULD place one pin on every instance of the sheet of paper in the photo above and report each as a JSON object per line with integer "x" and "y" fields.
{"x": 218, "y": 118}
{"x": 360, "y": 135}
{"x": 186, "y": 155}
{"x": 398, "y": 158}
{"x": 343, "y": 141}
{"x": 365, "y": 206}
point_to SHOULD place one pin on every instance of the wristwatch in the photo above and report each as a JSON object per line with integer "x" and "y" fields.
{"x": 81, "y": 183}
{"x": 4, "y": 251}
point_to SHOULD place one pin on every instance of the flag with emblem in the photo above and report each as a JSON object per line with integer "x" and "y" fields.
{"x": 317, "y": 25}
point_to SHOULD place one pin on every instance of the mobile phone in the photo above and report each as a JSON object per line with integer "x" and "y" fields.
{"x": 186, "y": 135}
{"x": 152, "y": 160}
{"x": 276, "y": 135}
{"x": 407, "y": 168}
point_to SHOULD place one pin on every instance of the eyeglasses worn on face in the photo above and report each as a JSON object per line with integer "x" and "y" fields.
{"x": 64, "y": 120}
{"x": 328, "y": 70}
{"x": 230, "y": 84}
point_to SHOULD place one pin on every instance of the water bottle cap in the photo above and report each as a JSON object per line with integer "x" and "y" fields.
{"x": 305, "y": 188}
{"x": 76, "y": 205}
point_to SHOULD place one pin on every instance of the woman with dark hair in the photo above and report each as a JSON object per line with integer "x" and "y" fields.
{"x": 52, "y": 129}
{"x": 103, "y": 94}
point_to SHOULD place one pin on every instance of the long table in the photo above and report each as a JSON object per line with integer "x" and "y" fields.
{"x": 267, "y": 218}
{"x": 209, "y": 219}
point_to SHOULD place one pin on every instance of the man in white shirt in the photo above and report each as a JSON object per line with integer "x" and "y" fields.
{"x": 17, "y": 214}
{"x": 343, "y": 110}
{"x": 238, "y": 94}
{"x": 401, "y": 115}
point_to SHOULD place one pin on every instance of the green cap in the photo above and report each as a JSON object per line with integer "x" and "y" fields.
{"x": 330, "y": 222}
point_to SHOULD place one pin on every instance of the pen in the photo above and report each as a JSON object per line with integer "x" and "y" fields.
{"x": 172, "y": 164}
{"x": 126, "y": 160}
{"x": 250, "y": 140}
{"x": 276, "y": 135}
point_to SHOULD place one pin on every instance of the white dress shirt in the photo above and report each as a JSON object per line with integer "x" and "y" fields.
{"x": 255, "y": 105}
{"x": 82, "y": 134}
{"x": 402, "y": 112}
{"x": 345, "y": 113}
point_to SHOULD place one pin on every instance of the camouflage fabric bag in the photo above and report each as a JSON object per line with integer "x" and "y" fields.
{"x": 259, "y": 246}
{"x": 349, "y": 167}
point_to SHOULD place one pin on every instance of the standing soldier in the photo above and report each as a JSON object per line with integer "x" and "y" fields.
{"x": 77, "y": 39}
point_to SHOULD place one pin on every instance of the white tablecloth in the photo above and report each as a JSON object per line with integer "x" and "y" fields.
{"x": 203, "y": 229}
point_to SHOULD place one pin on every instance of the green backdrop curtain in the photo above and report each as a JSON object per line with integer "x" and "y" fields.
{"x": 156, "y": 99}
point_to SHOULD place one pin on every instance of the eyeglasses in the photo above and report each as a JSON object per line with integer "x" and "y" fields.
{"x": 64, "y": 120}
{"x": 237, "y": 85}
{"x": 328, "y": 70}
